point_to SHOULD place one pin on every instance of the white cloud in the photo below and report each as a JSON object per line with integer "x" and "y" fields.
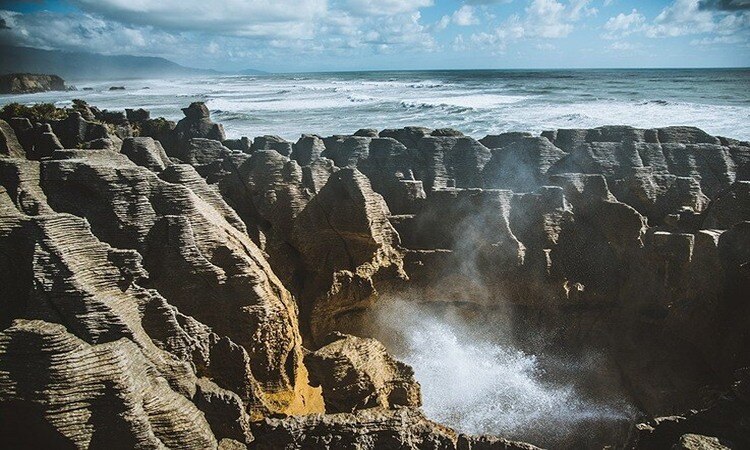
{"x": 622, "y": 46}
{"x": 383, "y": 7}
{"x": 553, "y": 19}
{"x": 235, "y": 17}
{"x": 581, "y": 8}
{"x": 625, "y": 22}
{"x": 84, "y": 32}
{"x": 464, "y": 16}
{"x": 680, "y": 18}
{"x": 543, "y": 19}
{"x": 443, "y": 23}
{"x": 511, "y": 30}
{"x": 335, "y": 34}
{"x": 623, "y": 25}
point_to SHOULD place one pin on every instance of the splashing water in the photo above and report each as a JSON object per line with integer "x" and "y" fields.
{"x": 483, "y": 386}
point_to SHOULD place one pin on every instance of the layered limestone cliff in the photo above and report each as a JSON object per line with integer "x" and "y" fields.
{"x": 166, "y": 287}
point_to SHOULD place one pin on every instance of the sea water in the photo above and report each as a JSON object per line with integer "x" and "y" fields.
{"x": 475, "y": 102}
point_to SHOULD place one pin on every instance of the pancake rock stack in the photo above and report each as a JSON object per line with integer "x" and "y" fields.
{"x": 166, "y": 287}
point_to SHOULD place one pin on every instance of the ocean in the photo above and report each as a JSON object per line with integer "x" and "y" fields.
{"x": 477, "y": 102}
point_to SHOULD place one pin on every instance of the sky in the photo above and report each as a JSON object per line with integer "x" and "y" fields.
{"x": 340, "y": 35}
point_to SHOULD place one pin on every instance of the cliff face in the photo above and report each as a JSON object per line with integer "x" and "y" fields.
{"x": 177, "y": 289}
{"x": 26, "y": 83}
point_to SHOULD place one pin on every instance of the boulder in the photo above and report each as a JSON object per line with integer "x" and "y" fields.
{"x": 315, "y": 176}
{"x": 371, "y": 429}
{"x": 366, "y": 132}
{"x": 408, "y": 136}
{"x": 194, "y": 257}
{"x": 446, "y": 132}
{"x": 344, "y": 239}
{"x": 201, "y": 152}
{"x": 161, "y": 130}
{"x": 224, "y": 411}
{"x": 74, "y": 130}
{"x": 357, "y": 373}
{"x": 346, "y": 151}
{"x": 659, "y": 195}
{"x": 722, "y": 425}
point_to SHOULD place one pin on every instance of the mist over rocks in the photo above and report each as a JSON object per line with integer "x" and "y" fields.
{"x": 165, "y": 286}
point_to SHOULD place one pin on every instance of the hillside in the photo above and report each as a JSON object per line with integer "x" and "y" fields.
{"x": 82, "y": 65}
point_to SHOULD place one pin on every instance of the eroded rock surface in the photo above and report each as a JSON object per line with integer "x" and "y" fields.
{"x": 357, "y": 373}
{"x": 160, "y": 282}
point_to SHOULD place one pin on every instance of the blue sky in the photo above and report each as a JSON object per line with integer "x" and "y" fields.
{"x": 316, "y": 35}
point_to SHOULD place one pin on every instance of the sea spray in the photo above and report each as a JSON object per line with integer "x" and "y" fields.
{"x": 475, "y": 379}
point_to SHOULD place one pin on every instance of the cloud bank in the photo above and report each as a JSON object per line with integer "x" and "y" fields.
{"x": 241, "y": 33}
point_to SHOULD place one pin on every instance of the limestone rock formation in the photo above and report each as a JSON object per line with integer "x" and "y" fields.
{"x": 344, "y": 239}
{"x": 272, "y": 143}
{"x": 494, "y": 141}
{"x": 196, "y": 124}
{"x": 521, "y": 165}
{"x": 146, "y": 152}
{"x": 161, "y": 130}
{"x": 730, "y": 207}
{"x": 357, "y": 373}
{"x": 9, "y": 144}
{"x": 66, "y": 393}
{"x": 164, "y": 287}
{"x": 368, "y": 429}
{"x": 723, "y": 425}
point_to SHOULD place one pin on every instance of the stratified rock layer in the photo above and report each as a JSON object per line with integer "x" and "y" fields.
{"x": 159, "y": 280}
